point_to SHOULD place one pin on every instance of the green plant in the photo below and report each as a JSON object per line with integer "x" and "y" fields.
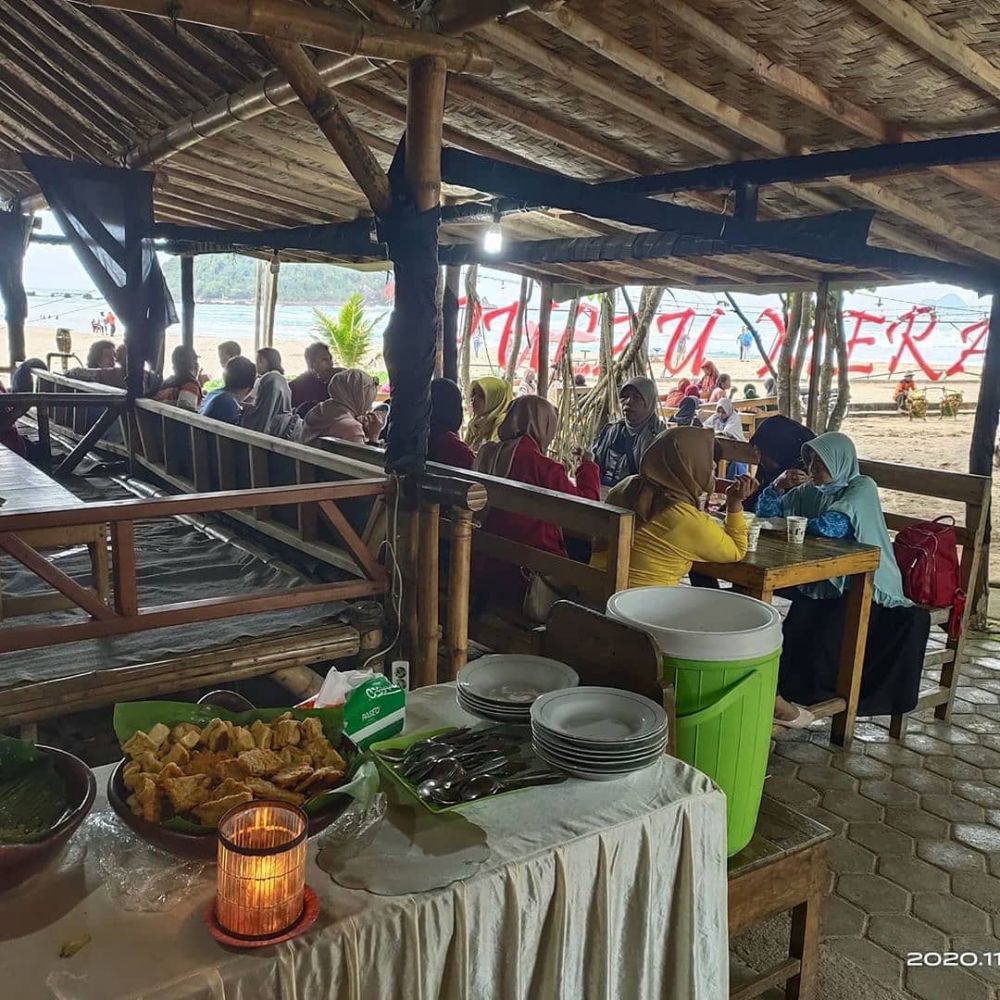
{"x": 350, "y": 334}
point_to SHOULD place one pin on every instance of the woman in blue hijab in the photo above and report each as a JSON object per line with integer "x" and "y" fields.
{"x": 841, "y": 503}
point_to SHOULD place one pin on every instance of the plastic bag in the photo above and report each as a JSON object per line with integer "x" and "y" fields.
{"x": 142, "y": 878}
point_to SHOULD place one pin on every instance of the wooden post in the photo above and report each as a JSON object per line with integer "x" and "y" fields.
{"x": 425, "y": 667}
{"x": 187, "y": 301}
{"x": 258, "y": 305}
{"x": 544, "y": 332}
{"x": 426, "y": 83}
{"x": 272, "y": 301}
{"x": 819, "y": 325}
{"x": 449, "y": 322}
{"x": 984, "y": 432}
{"x": 14, "y": 231}
{"x": 459, "y": 582}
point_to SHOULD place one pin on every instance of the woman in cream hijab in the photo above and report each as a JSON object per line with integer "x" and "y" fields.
{"x": 347, "y": 413}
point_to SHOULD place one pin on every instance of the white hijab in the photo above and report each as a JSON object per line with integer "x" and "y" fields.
{"x": 729, "y": 426}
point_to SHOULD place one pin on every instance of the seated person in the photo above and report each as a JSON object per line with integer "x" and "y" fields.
{"x": 269, "y": 409}
{"x": 726, "y": 421}
{"x": 525, "y": 436}
{"x": 183, "y": 387}
{"x": 778, "y": 441}
{"x": 723, "y": 389}
{"x": 678, "y": 392}
{"x": 750, "y": 391}
{"x": 346, "y": 413}
{"x": 310, "y": 387}
{"x": 622, "y": 443}
{"x": 444, "y": 444}
{"x": 687, "y": 412}
{"x": 225, "y": 404}
{"x": 901, "y": 394}
{"x": 269, "y": 360}
{"x": 227, "y": 350}
{"x": 709, "y": 379}
{"x": 100, "y": 365}
{"x": 489, "y": 400}
{"x": 841, "y": 503}
{"x": 23, "y": 380}
{"x": 101, "y": 354}
{"x": 671, "y": 530}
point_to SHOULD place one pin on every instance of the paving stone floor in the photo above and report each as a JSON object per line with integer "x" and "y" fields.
{"x": 915, "y": 861}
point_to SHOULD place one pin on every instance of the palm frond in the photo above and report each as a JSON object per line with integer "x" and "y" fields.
{"x": 350, "y": 334}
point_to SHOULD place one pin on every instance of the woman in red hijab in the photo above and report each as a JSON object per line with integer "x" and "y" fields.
{"x": 709, "y": 379}
{"x": 676, "y": 394}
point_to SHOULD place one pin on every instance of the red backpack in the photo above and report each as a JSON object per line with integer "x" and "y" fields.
{"x": 927, "y": 554}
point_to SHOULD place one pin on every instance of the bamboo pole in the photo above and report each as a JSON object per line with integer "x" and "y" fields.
{"x": 187, "y": 301}
{"x": 449, "y": 322}
{"x": 544, "y": 332}
{"x": 426, "y": 83}
{"x": 258, "y": 305}
{"x": 465, "y": 348}
{"x": 425, "y": 667}
{"x": 322, "y": 105}
{"x": 319, "y": 27}
{"x": 272, "y": 302}
{"x": 459, "y": 584}
{"x": 522, "y": 308}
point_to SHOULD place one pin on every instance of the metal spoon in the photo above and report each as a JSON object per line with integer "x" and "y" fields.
{"x": 443, "y": 777}
{"x": 417, "y": 771}
{"x": 489, "y": 784}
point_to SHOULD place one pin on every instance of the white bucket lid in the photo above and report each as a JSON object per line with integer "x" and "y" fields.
{"x": 695, "y": 623}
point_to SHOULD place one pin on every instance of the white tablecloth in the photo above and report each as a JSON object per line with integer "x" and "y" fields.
{"x": 591, "y": 890}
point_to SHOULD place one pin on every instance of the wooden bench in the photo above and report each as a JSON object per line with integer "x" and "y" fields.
{"x": 25, "y": 488}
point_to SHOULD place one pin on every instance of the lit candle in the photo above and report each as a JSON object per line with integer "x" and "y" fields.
{"x": 262, "y": 869}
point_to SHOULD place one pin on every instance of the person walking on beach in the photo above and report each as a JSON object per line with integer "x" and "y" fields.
{"x": 745, "y": 341}
{"x": 109, "y": 323}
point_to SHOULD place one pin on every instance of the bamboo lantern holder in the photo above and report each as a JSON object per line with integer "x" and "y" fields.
{"x": 261, "y": 889}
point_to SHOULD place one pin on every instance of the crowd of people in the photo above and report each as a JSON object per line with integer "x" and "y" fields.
{"x": 662, "y": 470}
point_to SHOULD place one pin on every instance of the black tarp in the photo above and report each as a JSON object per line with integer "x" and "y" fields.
{"x": 107, "y": 215}
{"x": 408, "y": 345}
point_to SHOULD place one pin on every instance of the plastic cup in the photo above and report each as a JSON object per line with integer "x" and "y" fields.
{"x": 796, "y": 528}
{"x": 753, "y": 535}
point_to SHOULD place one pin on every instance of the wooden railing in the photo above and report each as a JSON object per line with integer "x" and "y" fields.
{"x": 125, "y": 615}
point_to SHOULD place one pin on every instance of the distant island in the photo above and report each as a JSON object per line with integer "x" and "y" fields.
{"x": 230, "y": 278}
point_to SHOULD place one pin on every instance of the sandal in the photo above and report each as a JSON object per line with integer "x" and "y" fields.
{"x": 803, "y": 720}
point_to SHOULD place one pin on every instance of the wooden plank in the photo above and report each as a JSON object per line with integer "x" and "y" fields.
{"x": 459, "y": 585}
{"x": 428, "y": 588}
{"x": 226, "y": 463}
{"x": 92, "y": 436}
{"x": 308, "y": 520}
{"x": 925, "y": 482}
{"x": 55, "y": 578}
{"x": 184, "y": 613}
{"x": 259, "y": 479}
{"x": 201, "y": 456}
{"x": 349, "y": 537}
{"x": 123, "y": 552}
{"x": 852, "y": 656}
{"x": 590, "y": 581}
{"x": 774, "y": 976}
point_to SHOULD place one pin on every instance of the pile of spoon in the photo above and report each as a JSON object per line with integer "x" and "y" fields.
{"x": 462, "y": 765}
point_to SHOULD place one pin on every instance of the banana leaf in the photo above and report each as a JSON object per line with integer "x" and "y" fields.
{"x": 33, "y": 795}
{"x": 135, "y": 715}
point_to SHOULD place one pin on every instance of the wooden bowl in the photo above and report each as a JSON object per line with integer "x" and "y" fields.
{"x": 19, "y": 861}
{"x": 203, "y": 845}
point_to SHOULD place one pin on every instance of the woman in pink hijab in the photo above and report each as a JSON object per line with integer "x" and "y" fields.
{"x": 347, "y": 413}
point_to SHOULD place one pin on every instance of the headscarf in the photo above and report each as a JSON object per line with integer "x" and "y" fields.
{"x": 677, "y": 393}
{"x": 447, "y": 413}
{"x": 769, "y": 387}
{"x": 709, "y": 380}
{"x": 677, "y": 468}
{"x": 749, "y": 392}
{"x": 23, "y": 379}
{"x": 779, "y": 439}
{"x": 687, "y": 412}
{"x": 856, "y": 497}
{"x": 693, "y": 391}
{"x": 352, "y": 393}
{"x": 646, "y": 389}
{"x": 623, "y": 442}
{"x": 731, "y": 425}
{"x": 271, "y": 409}
{"x": 498, "y": 398}
{"x": 528, "y": 416}
{"x": 529, "y": 383}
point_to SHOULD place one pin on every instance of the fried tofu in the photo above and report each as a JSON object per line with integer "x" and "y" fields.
{"x": 323, "y": 755}
{"x": 215, "y": 735}
{"x": 262, "y": 735}
{"x": 186, "y": 734}
{"x": 229, "y": 787}
{"x": 240, "y": 739}
{"x": 130, "y": 774}
{"x": 289, "y": 777}
{"x": 268, "y": 790}
{"x": 230, "y": 768}
{"x": 148, "y": 761}
{"x": 261, "y": 763}
{"x": 187, "y": 792}
{"x": 312, "y": 729}
{"x": 204, "y": 762}
{"x": 139, "y": 742}
{"x": 286, "y": 733}
{"x": 209, "y": 813}
{"x": 177, "y": 754}
{"x": 158, "y": 734}
{"x": 149, "y": 800}
{"x": 318, "y": 781}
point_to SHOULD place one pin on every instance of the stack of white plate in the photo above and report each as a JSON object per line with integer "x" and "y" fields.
{"x": 598, "y": 733}
{"x": 502, "y": 687}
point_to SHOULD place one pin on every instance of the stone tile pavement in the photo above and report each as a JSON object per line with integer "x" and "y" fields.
{"x": 915, "y": 860}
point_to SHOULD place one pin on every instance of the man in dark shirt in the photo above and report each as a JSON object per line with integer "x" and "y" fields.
{"x": 226, "y": 403}
{"x": 310, "y": 387}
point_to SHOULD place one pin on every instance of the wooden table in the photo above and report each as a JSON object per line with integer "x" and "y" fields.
{"x": 783, "y": 868}
{"x": 25, "y": 488}
{"x": 777, "y": 564}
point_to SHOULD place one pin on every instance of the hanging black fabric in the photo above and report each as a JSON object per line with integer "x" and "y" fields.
{"x": 14, "y": 228}
{"x": 107, "y": 216}
{"x": 409, "y": 345}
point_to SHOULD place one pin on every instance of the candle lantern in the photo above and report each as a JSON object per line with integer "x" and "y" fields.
{"x": 262, "y": 869}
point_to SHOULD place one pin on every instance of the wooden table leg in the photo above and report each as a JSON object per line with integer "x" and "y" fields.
{"x": 99, "y": 564}
{"x": 804, "y": 943}
{"x": 852, "y": 656}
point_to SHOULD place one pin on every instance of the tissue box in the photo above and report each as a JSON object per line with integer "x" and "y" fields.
{"x": 374, "y": 708}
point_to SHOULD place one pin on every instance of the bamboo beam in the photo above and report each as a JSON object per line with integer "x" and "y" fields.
{"x": 813, "y": 418}
{"x": 319, "y": 27}
{"x": 544, "y": 333}
{"x": 187, "y": 301}
{"x": 949, "y": 50}
{"x": 806, "y": 91}
{"x": 325, "y": 110}
{"x": 426, "y": 84}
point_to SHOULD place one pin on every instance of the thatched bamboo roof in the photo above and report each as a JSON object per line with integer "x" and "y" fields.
{"x": 595, "y": 89}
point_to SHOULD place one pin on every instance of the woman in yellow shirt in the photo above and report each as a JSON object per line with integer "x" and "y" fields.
{"x": 672, "y": 532}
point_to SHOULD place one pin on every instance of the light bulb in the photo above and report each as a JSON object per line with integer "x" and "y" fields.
{"x": 493, "y": 239}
